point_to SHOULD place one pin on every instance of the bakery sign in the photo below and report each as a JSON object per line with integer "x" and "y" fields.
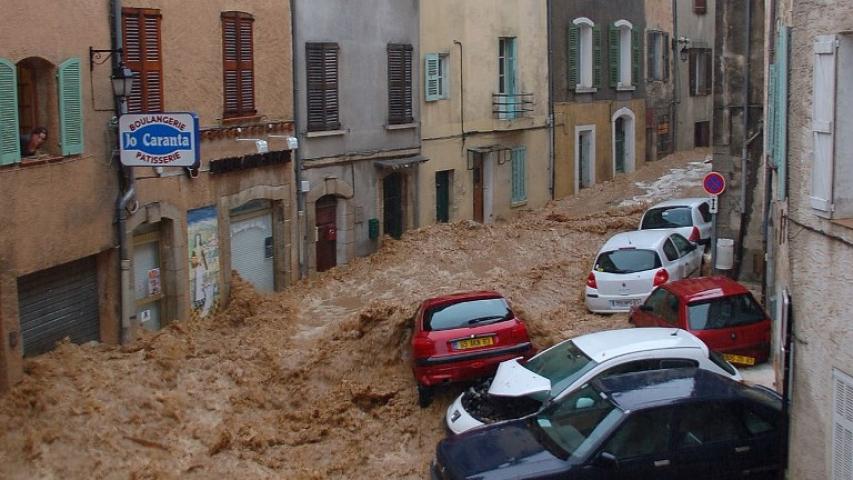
{"x": 159, "y": 139}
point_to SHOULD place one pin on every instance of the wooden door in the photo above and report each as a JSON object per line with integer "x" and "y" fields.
{"x": 327, "y": 233}
{"x": 478, "y": 189}
{"x": 442, "y": 196}
{"x": 392, "y": 196}
{"x": 620, "y": 145}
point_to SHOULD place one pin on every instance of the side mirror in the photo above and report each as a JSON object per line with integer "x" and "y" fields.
{"x": 646, "y": 308}
{"x": 606, "y": 460}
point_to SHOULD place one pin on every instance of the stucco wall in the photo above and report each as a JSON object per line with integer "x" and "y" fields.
{"x": 816, "y": 263}
{"x": 699, "y": 29}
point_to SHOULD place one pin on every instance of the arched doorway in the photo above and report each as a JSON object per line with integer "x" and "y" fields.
{"x": 325, "y": 215}
{"x": 623, "y": 141}
{"x": 392, "y": 202}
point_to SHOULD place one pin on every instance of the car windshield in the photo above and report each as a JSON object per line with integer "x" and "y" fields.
{"x": 628, "y": 260}
{"x": 562, "y": 364}
{"x": 667, "y": 217}
{"x": 724, "y": 312}
{"x": 466, "y": 314}
{"x": 575, "y": 425}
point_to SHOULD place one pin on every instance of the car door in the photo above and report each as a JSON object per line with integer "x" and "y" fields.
{"x": 690, "y": 254}
{"x": 647, "y": 314}
{"x": 641, "y": 446}
{"x": 704, "y": 222}
{"x": 675, "y": 264}
{"x": 706, "y": 437}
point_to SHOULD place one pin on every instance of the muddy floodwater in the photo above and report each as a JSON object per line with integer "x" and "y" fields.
{"x": 315, "y": 382}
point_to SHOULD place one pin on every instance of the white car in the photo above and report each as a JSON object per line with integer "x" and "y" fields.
{"x": 691, "y": 217}
{"x": 523, "y": 388}
{"x": 631, "y": 264}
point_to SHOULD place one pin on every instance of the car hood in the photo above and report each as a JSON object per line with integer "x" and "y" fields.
{"x": 502, "y": 451}
{"x": 513, "y": 380}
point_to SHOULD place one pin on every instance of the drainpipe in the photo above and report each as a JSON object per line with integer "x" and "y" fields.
{"x": 676, "y": 86}
{"x": 746, "y": 141}
{"x": 301, "y": 217}
{"x": 127, "y": 191}
{"x": 551, "y": 140}
{"x": 461, "y": 90}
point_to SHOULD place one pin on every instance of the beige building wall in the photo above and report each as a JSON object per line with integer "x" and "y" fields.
{"x": 478, "y": 25}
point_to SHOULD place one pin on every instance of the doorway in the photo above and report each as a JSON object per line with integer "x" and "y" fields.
{"x": 477, "y": 173}
{"x": 624, "y": 147}
{"x": 326, "y": 213}
{"x": 619, "y": 145}
{"x": 392, "y": 201}
{"x": 442, "y": 196}
{"x": 584, "y": 156}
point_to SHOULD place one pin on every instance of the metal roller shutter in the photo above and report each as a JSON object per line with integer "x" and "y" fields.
{"x": 59, "y": 302}
{"x": 252, "y": 250}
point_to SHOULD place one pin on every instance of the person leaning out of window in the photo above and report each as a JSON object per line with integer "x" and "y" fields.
{"x": 31, "y": 143}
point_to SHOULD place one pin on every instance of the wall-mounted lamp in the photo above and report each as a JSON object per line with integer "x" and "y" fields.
{"x": 122, "y": 80}
{"x": 683, "y": 44}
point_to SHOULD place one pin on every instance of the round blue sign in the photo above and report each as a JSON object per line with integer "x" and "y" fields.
{"x": 714, "y": 183}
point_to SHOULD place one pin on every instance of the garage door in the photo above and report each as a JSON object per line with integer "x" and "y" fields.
{"x": 252, "y": 250}
{"x": 59, "y": 302}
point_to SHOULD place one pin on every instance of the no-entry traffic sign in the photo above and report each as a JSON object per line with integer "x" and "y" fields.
{"x": 714, "y": 183}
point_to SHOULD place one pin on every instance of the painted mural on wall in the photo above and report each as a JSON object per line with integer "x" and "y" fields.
{"x": 203, "y": 232}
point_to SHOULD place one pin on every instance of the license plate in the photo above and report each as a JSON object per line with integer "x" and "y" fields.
{"x": 469, "y": 343}
{"x": 623, "y": 303}
{"x": 739, "y": 359}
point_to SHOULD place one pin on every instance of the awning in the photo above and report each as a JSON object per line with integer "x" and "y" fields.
{"x": 400, "y": 163}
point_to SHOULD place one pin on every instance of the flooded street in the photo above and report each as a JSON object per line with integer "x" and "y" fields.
{"x": 315, "y": 382}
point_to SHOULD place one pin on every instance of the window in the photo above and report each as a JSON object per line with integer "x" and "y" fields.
{"x": 705, "y": 211}
{"x": 399, "y": 84}
{"x": 664, "y": 305}
{"x": 701, "y": 69}
{"x": 436, "y": 72}
{"x": 629, "y": 260}
{"x": 35, "y": 93}
{"x": 702, "y": 134}
{"x": 465, "y": 314}
{"x": 238, "y": 64}
{"x": 708, "y": 423}
{"x": 322, "y": 86}
{"x": 658, "y": 56}
{"x": 142, "y": 54}
{"x": 725, "y": 312}
{"x": 623, "y": 55}
{"x": 519, "y": 175}
{"x": 667, "y": 217}
{"x": 664, "y": 136}
{"x": 643, "y": 434}
{"x": 584, "y": 56}
{"x": 682, "y": 244}
{"x": 777, "y": 110}
{"x": 507, "y": 78}
{"x": 842, "y": 426}
{"x": 832, "y": 174}
{"x": 700, "y": 7}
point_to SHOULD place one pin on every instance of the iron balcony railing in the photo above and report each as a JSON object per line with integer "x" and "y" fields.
{"x": 507, "y": 106}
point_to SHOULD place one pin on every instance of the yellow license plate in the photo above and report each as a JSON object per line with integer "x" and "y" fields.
{"x": 474, "y": 343}
{"x": 739, "y": 359}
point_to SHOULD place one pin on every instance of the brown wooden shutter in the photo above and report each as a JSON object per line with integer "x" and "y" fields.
{"x": 399, "y": 84}
{"x": 142, "y": 47}
{"x": 709, "y": 70}
{"x": 238, "y": 64}
{"x": 700, "y": 6}
{"x": 694, "y": 81}
{"x": 321, "y": 60}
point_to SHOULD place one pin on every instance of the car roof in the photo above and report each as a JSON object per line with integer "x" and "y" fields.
{"x": 670, "y": 386}
{"x": 460, "y": 297}
{"x": 681, "y": 202}
{"x": 644, "y": 239}
{"x": 704, "y": 288}
{"x": 609, "y": 344}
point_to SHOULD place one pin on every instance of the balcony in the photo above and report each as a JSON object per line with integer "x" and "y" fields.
{"x": 508, "y": 106}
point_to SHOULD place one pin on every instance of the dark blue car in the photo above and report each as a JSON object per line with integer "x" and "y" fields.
{"x": 662, "y": 425}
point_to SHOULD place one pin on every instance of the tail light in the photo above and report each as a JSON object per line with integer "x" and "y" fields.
{"x": 661, "y": 277}
{"x": 423, "y": 347}
{"x": 519, "y": 333}
{"x": 694, "y": 235}
{"x": 590, "y": 281}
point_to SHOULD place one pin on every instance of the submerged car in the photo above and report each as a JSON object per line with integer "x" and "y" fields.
{"x": 655, "y": 425}
{"x": 463, "y": 337}
{"x": 691, "y": 217}
{"x": 631, "y": 264}
{"x": 520, "y": 388}
{"x": 718, "y": 310}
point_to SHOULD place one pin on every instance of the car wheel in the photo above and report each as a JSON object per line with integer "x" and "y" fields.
{"x": 424, "y": 396}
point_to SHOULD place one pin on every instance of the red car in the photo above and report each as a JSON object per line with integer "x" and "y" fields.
{"x": 718, "y": 310}
{"x": 463, "y": 337}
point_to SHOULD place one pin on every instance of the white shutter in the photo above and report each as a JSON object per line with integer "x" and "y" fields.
{"x": 432, "y": 68}
{"x": 842, "y": 426}
{"x": 252, "y": 251}
{"x": 823, "y": 123}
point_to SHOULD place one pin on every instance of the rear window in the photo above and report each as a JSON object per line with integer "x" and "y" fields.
{"x": 466, "y": 314}
{"x": 724, "y": 312}
{"x": 627, "y": 261}
{"x": 667, "y": 217}
{"x": 721, "y": 362}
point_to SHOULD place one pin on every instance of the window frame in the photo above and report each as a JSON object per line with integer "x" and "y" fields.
{"x": 245, "y": 104}
{"x": 586, "y": 59}
{"x": 658, "y": 57}
{"x": 700, "y": 59}
{"x": 436, "y": 86}
{"x": 330, "y": 118}
{"x": 400, "y": 68}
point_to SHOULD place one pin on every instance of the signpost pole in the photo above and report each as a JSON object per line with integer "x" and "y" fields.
{"x": 713, "y": 269}
{"x": 714, "y": 184}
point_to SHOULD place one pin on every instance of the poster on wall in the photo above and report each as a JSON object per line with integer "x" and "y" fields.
{"x": 203, "y": 243}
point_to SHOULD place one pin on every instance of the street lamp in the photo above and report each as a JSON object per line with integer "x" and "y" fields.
{"x": 122, "y": 80}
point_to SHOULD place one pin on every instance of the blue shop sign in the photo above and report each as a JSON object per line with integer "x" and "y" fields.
{"x": 168, "y": 139}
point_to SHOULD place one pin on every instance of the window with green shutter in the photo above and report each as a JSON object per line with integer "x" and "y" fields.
{"x": 614, "y": 55}
{"x": 636, "y": 48}
{"x": 584, "y": 55}
{"x": 572, "y": 56}
{"x": 779, "y": 105}
{"x": 432, "y": 77}
{"x": 10, "y": 148}
{"x": 519, "y": 175}
{"x": 70, "y": 107}
{"x": 596, "y": 57}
